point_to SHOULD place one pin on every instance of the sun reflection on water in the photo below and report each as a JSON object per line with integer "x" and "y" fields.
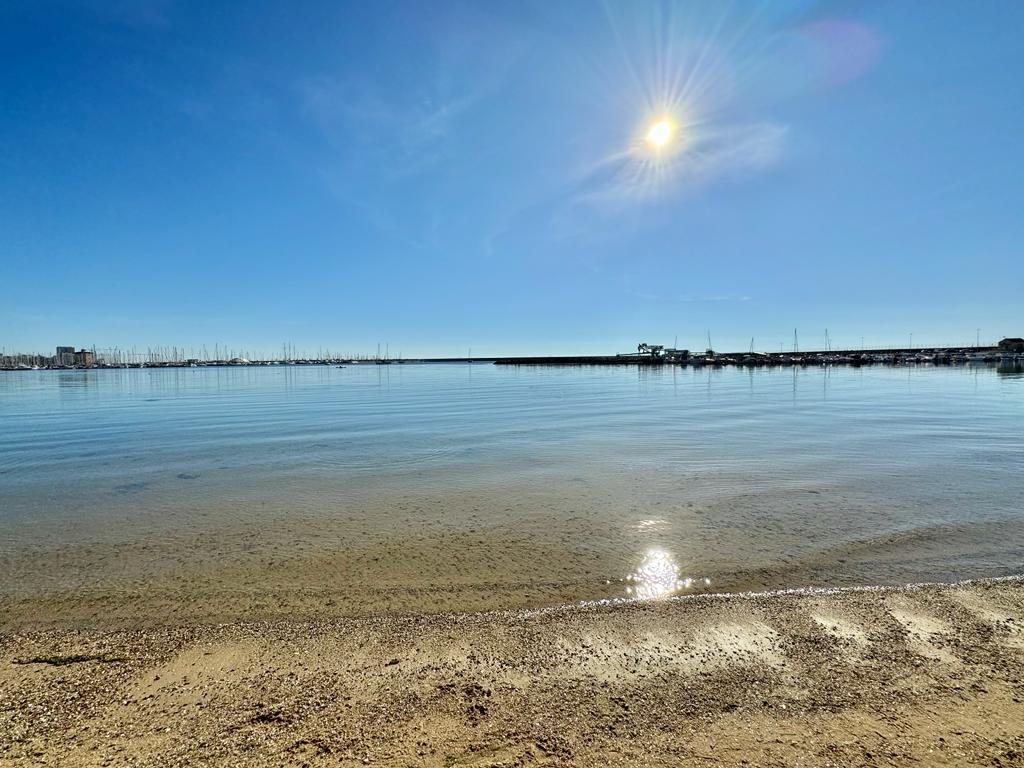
{"x": 658, "y": 576}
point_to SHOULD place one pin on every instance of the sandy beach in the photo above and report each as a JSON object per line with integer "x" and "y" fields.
{"x": 922, "y": 675}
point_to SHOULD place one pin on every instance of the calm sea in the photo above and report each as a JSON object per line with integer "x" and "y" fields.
{"x": 409, "y": 487}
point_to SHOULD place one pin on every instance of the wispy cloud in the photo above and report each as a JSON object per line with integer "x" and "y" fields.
{"x": 703, "y": 71}
{"x": 410, "y": 126}
{"x": 406, "y": 135}
{"x": 394, "y": 144}
{"x": 713, "y": 153}
{"x": 615, "y": 196}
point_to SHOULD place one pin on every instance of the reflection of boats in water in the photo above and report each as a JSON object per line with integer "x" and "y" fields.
{"x": 1013, "y": 368}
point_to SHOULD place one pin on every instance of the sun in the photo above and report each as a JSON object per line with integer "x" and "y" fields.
{"x": 659, "y": 134}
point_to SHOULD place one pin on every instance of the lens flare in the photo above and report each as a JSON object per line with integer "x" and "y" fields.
{"x": 660, "y": 133}
{"x": 688, "y": 91}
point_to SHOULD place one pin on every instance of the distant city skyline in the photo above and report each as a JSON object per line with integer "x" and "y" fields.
{"x": 513, "y": 178}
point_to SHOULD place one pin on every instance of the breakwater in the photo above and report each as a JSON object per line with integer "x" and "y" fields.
{"x": 904, "y": 356}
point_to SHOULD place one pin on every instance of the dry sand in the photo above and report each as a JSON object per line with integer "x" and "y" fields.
{"x": 922, "y": 676}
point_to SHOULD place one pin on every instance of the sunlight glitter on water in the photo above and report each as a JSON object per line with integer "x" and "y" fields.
{"x": 658, "y": 576}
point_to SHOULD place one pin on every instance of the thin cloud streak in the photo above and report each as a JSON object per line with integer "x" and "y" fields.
{"x": 721, "y": 153}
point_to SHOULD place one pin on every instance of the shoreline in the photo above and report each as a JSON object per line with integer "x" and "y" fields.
{"x": 905, "y": 675}
{"x": 568, "y": 609}
{"x": 219, "y": 596}
{"x": 302, "y": 569}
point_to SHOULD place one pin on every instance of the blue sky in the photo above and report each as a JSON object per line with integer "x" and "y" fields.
{"x": 439, "y": 176}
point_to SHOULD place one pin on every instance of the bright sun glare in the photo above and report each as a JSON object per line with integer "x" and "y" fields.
{"x": 659, "y": 134}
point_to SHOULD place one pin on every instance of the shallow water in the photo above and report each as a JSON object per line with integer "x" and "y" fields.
{"x": 410, "y": 487}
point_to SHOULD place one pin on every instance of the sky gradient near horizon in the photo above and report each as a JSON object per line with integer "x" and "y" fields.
{"x": 440, "y": 176}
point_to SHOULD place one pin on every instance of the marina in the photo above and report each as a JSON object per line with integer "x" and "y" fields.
{"x": 1009, "y": 353}
{"x": 1006, "y": 351}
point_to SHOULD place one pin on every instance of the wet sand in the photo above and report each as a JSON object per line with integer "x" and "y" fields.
{"x": 926, "y": 675}
{"x": 493, "y": 549}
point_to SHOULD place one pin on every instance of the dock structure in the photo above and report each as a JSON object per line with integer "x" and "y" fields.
{"x": 581, "y": 360}
{"x": 646, "y": 354}
{"x": 1007, "y": 351}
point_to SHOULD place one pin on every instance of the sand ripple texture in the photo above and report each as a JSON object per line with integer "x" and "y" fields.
{"x": 927, "y": 675}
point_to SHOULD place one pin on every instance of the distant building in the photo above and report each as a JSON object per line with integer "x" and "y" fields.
{"x": 84, "y": 357}
{"x": 65, "y": 356}
{"x": 1015, "y": 344}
